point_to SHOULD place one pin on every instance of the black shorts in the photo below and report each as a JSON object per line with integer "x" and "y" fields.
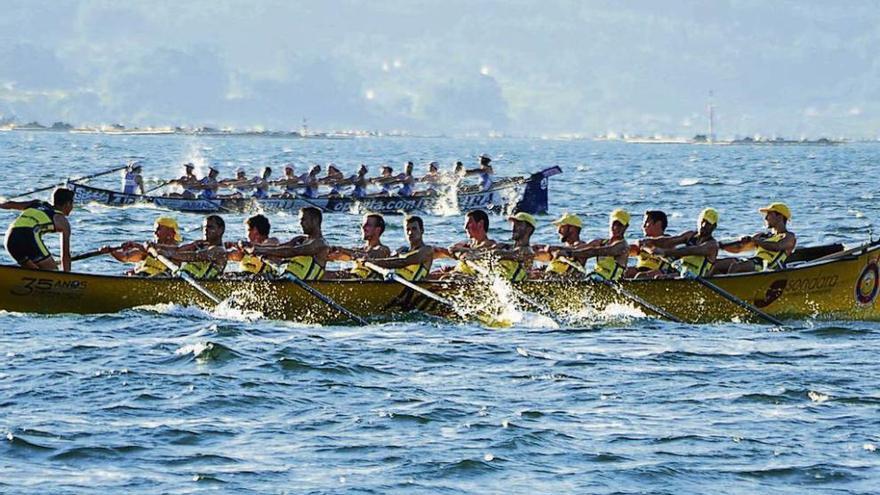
{"x": 23, "y": 244}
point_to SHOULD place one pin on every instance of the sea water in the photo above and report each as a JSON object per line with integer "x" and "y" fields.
{"x": 185, "y": 400}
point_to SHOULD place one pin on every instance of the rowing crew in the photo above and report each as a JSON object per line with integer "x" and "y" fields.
{"x": 693, "y": 253}
{"x": 307, "y": 184}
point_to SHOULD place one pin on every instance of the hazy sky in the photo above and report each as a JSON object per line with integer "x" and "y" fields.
{"x": 790, "y": 68}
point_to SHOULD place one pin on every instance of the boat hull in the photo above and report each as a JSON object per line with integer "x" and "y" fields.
{"x": 527, "y": 194}
{"x": 842, "y": 288}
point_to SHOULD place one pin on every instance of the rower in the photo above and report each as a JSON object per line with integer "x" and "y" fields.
{"x": 484, "y": 172}
{"x": 699, "y": 252}
{"x": 568, "y": 226}
{"x": 258, "y": 229}
{"x": 360, "y": 182}
{"x": 649, "y": 265}
{"x": 166, "y": 233}
{"x": 771, "y": 249}
{"x": 188, "y": 181}
{"x": 408, "y": 179}
{"x": 241, "y": 183}
{"x": 335, "y": 179}
{"x": 372, "y": 229}
{"x": 204, "y": 259}
{"x": 288, "y": 182}
{"x": 310, "y": 181}
{"x": 611, "y": 254}
{"x": 415, "y": 263}
{"x": 306, "y": 255}
{"x": 261, "y": 184}
{"x": 433, "y": 178}
{"x": 209, "y": 184}
{"x": 516, "y": 259}
{"x": 476, "y": 225}
{"x": 133, "y": 181}
{"x": 386, "y": 179}
{"x": 24, "y": 239}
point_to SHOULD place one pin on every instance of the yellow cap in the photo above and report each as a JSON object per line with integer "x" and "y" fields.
{"x": 171, "y": 224}
{"x": 524, "y": 217}
{"x": 620, "y": 215}
{"x": 710, "y": 215}
{"x": 569, "y": 219}
{"x": 780, "y": 208}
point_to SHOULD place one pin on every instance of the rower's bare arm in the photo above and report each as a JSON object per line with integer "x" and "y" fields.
{"x": 442, "y": 252}
{"x": 787, "y": 243}
{"x": 669, "y": 241}
{"x": 310, "y": 247}
{"x": 63, "y": 227}
{"x": 709, "y": 249}
{"x": 743, "y": 244}
{"x": 616, "y": 249}
{"x": 417, "y": 257}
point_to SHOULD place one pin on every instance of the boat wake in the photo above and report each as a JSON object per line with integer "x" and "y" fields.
{"x": 223, "y": 311}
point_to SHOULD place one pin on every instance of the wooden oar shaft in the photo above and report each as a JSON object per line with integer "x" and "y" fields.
{"x": 186, "y": 277}
{"x": 739, "y": 302}
{"x": 315, "y": 292}
{"x": 91, "y": 254}
{"x": 53, "y": 186}
{"x": 615, "y": 286}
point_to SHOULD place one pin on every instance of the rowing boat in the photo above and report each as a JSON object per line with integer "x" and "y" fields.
{"x": 841, "y": 286}
{"x": 529, "y": 194}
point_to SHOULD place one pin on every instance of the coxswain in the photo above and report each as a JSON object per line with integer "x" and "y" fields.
{"x": 133, "y": 181}
{"x": 697, "y": 255}
{"x": 24, "y": 239}
{"x": 649, "y": 265}
{"x": 258, "y": 234}
{"x": 476, "y": 226}
{"x": 611, "y": 254}
{"x": 414, "y": 263}
{"x": 772, "y": 248}
{"x": 568, "y": 226}
{"x": 306, "y": 255}
{"x": 166, "y": 233}
{"x": 261, "y": 184}
{"x": 188, "y": 181}
{"x": 372, "y": 228}
{"x": 204, "y": 259}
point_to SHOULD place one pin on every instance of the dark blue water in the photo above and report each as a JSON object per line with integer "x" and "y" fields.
{"x": 182, "y": 400}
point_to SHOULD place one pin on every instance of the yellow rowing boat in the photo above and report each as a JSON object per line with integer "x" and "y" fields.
{"x": 841, "y": 286}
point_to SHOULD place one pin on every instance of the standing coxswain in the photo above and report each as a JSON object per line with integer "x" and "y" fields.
{"x": 24, "y": 239}
{"x": 132, "y": 180}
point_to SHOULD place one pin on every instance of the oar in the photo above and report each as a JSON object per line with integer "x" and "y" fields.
{"x": 186, "y": 277}
{"x": 482, "y": 270}
{"x": 739, "y": 302}
{"x": 315, "y": 293}
{"x": 482, "y": 316}
{"x": 71, "y": 180}
{"x": 730, "y": 297}
{"x": 160, "y": 186}
{"x": 92, "y": 254}
{"x": 616, "y": 287}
